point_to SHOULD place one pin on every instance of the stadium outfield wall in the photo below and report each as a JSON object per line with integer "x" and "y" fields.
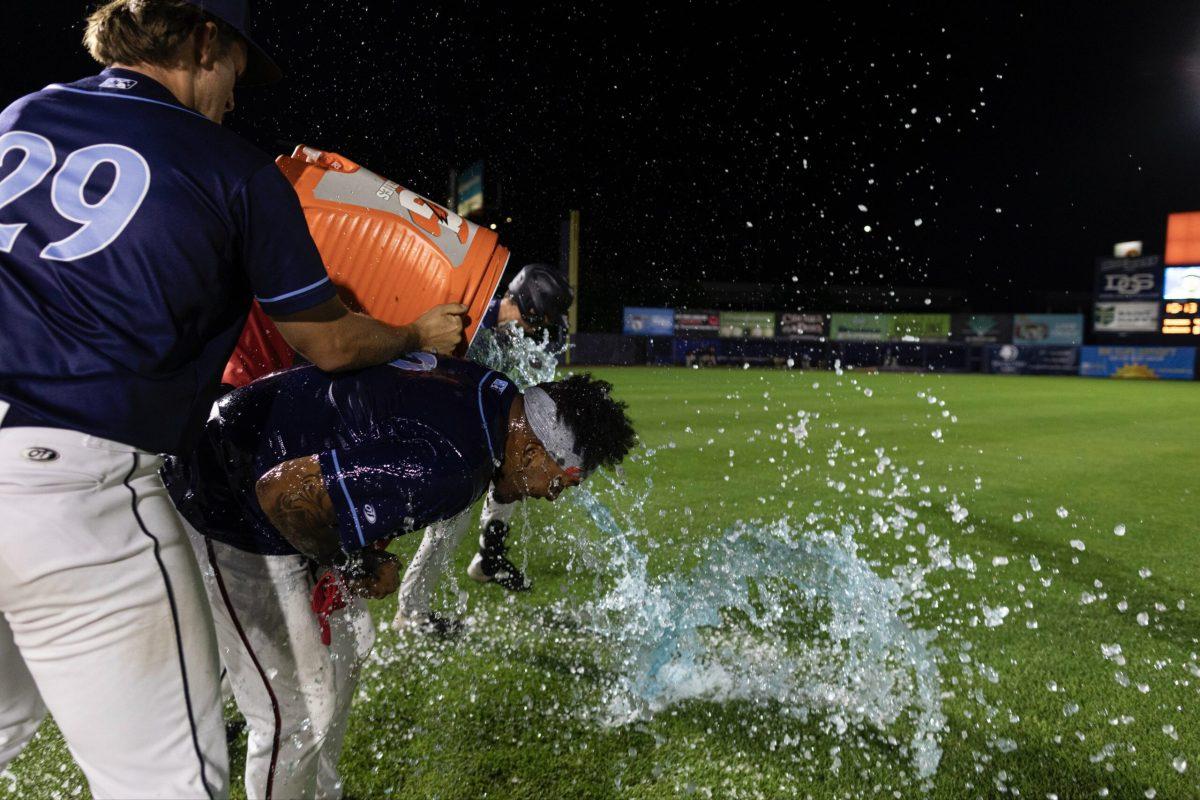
{"x": 1010, "y": 344}
{"x": 1117, "y": 361}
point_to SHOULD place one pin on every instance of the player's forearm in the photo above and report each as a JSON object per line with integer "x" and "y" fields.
{"x": 360, "y": 341}
{"x": 335, "y": 338}
{"x": 293, "y": 497}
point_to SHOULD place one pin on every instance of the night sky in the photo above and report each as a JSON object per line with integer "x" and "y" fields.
{"x": 728, "y": 143}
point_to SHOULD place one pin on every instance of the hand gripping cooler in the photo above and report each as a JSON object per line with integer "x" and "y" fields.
{"x": 391, "y": 253}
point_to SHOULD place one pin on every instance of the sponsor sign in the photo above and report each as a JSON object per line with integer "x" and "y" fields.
{"x": 1125, "y": 317}
{"x": 1128, "y": 278}
{"x": 697, "y": 321}
{"x": 981, "y": 328}
{"x": 469, "y": 189}
{"x": 1166, "y": 363}
{"x": 859, "y": 327}
{"x": 810, "y": 327}
{"x": 754, "y": 324}
{"x": 649, "y": 321}
{"x": 1011, "y": 359}
{"x": 920, "y": 327}
{"x": 1181, "y": 283}
{"x": 1183, "y": 238}
{"x": 1048, "y": 329}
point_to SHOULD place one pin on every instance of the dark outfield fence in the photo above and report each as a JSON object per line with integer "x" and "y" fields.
{"x": 1172, "y": 363}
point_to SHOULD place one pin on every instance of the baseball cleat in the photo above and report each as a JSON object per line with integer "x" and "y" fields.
{"x": 428, "y": 624}
{"x": 491, "y": 565}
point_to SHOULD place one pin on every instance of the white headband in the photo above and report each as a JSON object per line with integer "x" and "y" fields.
{"x": 555, "y": 436}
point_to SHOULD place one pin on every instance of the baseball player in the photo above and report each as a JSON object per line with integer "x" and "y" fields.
{"x": 134, "y": 231}
{"x": 536, "y": 301}
{"x": 297, "y": 478}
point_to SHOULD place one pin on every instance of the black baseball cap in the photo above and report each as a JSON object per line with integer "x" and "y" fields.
{"x": 260, "y": 68}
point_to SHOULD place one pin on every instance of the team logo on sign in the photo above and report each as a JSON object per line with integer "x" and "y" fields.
{"x": 41, "y": 454}
{"x": 1137, "y": 283}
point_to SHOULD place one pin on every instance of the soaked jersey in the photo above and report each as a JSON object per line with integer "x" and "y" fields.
{"x": 133, "y": 234}
{"x": 400, "y": 446}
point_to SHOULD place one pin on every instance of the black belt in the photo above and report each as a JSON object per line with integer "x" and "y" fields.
{"x": 16, "y": 418}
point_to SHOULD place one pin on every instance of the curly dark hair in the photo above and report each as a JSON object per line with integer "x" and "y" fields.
{"x": 602, "y": 429}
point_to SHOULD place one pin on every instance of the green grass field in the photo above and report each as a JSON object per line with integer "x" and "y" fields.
{"x": 513, "y": 708}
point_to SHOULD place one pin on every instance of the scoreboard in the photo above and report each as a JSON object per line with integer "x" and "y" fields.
{"x": 1181, "y": 276}
{"x": 1181, "y": 318}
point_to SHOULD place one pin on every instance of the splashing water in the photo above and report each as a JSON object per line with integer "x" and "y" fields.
{"x": 783, "y": 614}
{"x": 524, "y": 359}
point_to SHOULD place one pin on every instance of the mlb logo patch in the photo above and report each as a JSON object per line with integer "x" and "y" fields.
{"x": 499, "y": 385}
{"x": 118, "y": 83}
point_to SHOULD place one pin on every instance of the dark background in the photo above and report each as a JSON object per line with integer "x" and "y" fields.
{"x": 723, "y": 143}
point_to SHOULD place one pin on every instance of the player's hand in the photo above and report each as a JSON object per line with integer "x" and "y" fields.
{"x": 377, "y": 574}
{"x": 440, "y": 329}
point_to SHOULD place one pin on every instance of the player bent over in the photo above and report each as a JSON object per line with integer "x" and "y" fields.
{"x": 134, "y": 231}
{"x": 536, "y": 302}
{"x": 297, "y": 478}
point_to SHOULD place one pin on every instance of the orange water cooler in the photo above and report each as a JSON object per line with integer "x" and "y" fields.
{"x": 391, "y": 253}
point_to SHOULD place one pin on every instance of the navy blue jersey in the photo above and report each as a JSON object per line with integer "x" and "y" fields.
{"x": 133, "y": 233}
{"x": 400, "y": 446}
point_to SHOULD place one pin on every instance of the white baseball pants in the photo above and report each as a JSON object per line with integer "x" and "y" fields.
{"x": 433, "y": 555}
{"x": 294, "y": 691}
{"x": 105, "y": 622}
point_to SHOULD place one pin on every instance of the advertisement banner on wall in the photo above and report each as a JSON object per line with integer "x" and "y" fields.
{"x": 920, "y": 327}
{"x": 649, "y": 321}
{"x": 1128, "y": 278}
{"x": 1011, "y": 359}
{"x": 699, "y": 322}
{"x": 981, "y": 328}
{"x": 807, "y": 327}
{"x": 859, "y": 327}
{"x": 752, "y": 324}
{"x": 1048, "y": 329}
{"x": 1140, "y": 317}
{"x": 1164, "y": 363}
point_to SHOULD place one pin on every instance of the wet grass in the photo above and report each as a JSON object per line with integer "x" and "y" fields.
{"x": 510, "y": 709}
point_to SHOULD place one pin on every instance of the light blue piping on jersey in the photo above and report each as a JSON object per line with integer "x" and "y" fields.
{"x": 288, "y": 295}
{"x": 482, "y": 418}
{"x": 60, "y": 88}
{"x": 353, "y": 511}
